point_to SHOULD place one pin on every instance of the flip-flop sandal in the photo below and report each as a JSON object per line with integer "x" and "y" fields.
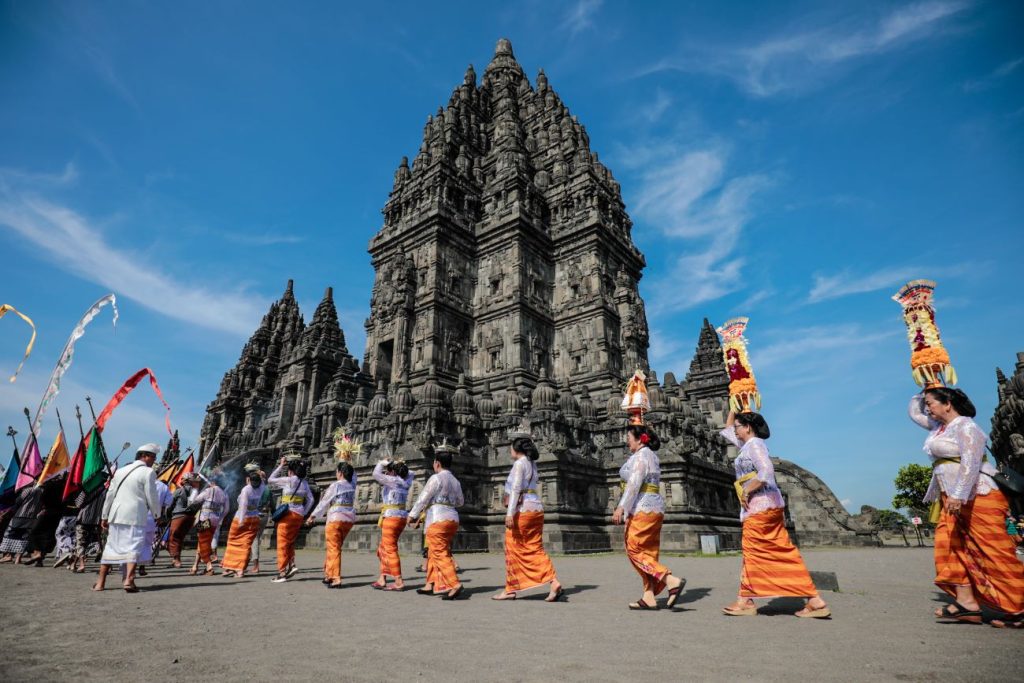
{"x": 674, "y": 593}
{"x": 504, "y": 596}
{"x": 815, "y": 613}
{"x": 378, "y": 586}
{"x": 335, "y": 585}
{"x": 750, "y": 611}
{"x": 456, "y": 595}
{"x": 393, "y": 588}
{"x": 961, "y": 614}
{"x": 559, "y": 595}
{"x": 641, "y": 605}
{"x": 425, "y": 591}
{"x": 131, "y": 589}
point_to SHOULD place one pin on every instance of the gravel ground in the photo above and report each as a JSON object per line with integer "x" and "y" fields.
{"x": 210, "y": 628}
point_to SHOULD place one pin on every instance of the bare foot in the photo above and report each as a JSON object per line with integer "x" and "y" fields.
{"x": 504, "y": 596}
{"x": 98, "y": 587}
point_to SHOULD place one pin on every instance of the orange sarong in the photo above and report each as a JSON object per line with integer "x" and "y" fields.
{"x": 205, "y": 544}
{"x": 440, "y": 567}
{"x": 975, "y": 550}
{"x": 526, "y": 563}
{"x": 240, "y": 540}
{"x": 180, "y": 526}
{"x": 387, "y": 549}
{"x": 334, "y": 537}
{"x": 643, "y": 545}
{"x": 772, "y": 566}
{"x": 287, "y": 531}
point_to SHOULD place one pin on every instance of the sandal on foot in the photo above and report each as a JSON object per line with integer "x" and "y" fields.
{"x": 822, "y": 612}
{"x": 733, "y": 611}
{"x": 379, "y": 586}
{"x": 505, "y": 596}
{"x": 393, "y": 587}
{"x": 132, "y": 588}
{"x": 961, "y": 614}
{"x": 674, "y": 593}
{"x": 334, "y": 585}
{"x": 1011, "y": 622}
{"x": 559, "y": 595}
{"x": 425, "y": 591}
{"x": 456, "y": 595}
{"x": 641, "y": 605}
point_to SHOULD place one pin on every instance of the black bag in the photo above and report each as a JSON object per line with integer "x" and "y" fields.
{"x": 281, "y": 510}
{"x": 1010, "y": 481}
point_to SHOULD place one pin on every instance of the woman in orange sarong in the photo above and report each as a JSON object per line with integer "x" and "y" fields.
{"x": 642, "y": 509}
{"x": 526, "y": 564}
{"x": 245, "y": 526}
{"x": 394, "y": 479}
{"x": 214, "y": 504}
{"x": 975, "y": 559}
{"x": 440, "y": 498}
{"x": 772, "y": 566}
{"x": 296, "y": 494}
{"x": 337, "y": 504}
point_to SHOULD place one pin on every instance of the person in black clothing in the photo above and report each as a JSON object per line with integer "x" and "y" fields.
{"x": 15, "y": 541}
{"x": 42, "y": 537}
{"x": 87, "y": 528}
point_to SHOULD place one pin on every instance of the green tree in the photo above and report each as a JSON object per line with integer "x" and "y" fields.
{"x": 890, "y": 519}
{"x": 911, "y": 484}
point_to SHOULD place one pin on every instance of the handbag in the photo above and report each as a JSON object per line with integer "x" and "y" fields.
{"x": 281, "y": 510}
{"x": 1008, "y": 480}
{"x": 204, "y": 525}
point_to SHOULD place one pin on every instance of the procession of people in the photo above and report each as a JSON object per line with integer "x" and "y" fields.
{"x": 123, "y": 516}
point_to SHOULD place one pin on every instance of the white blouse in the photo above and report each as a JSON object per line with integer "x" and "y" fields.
{"x": 522, "y": 488}
{"x": 754, "y": 457}
{"x": 394, "y": 489}
{"x": 440, "y": 497}
{"x": 215, "y": 504}
{"x": 641, "y": 468}
{"x": 338, "y": 502}
{"x": 249, "y": 502}
{"x": 293, "y": 487}
{"x": 963, "y": 439}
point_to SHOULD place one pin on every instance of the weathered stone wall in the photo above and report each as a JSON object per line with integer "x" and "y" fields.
{"x": 814, "y": 516}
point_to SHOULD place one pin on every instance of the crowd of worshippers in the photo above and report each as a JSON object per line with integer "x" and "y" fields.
{"x": 126, "y": 523}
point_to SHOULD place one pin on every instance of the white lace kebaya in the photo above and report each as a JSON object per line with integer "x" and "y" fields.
{"x": 440, "y": 497}
{"x": 394, "y": 489}
{"x": 962, "y": 439}
{"x": 754, "y": 457}
{"x": 337, "y": 502}
{"x": 640, "y": 469}
{"x": 249, "y": 502}
{"x": 291, "y": 489}
{"x": 522, "y": 487}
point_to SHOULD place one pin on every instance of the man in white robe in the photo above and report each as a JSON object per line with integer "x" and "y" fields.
{"x": 131, "y": 498}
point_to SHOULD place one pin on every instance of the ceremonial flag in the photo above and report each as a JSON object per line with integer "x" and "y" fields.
{"x": 94, "y": 471}
{"x": 187, "y": 467}
{"x": 167, "y": 476}
{"x": 4, "y": 308}
{"x": 31, "y": 464}
{"x": 64, "y": 361}
{"x": 73, "y": 485}
{"x": 126, "y": 389}
{"x": 57, "y": 460}
{"x": 11, "y": 475}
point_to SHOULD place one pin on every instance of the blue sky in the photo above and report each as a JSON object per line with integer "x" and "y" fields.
{"x": 793, "y": 163}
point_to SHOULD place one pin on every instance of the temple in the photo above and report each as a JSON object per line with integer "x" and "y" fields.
{"x": 506, "y": 288}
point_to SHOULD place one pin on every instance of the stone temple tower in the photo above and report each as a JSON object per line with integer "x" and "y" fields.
{"x": 505, "y": 254}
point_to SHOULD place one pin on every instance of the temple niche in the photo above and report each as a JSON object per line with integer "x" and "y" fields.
{"x": 506, "y": 288}
{"x": 1008, "y": 423}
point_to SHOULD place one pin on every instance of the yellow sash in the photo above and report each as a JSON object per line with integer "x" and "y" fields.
{"x": 935, "y": 511}
{"x": 385, "y": 508}
{"x": 644, "y": 488}
{"x": 292, "y": 499}
{"x": 738, "y": 484}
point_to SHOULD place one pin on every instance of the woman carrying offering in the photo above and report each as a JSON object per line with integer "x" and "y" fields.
{"x": 296, "y": 494}
{"x": 245, "y": 526}
{"x": 337, "y": 503}
{"x": 526, "y": 564}
{"x": 440, "y": 497}
{"x": 394, "y": 479}
{"x": 642, "y": 509}
{"x": 975, "y": 560}
{"x": 214, "y": 506}
{"x": 772, "y": 566}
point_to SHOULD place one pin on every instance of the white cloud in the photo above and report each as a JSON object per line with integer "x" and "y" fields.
{"x": 805, "y": 57}
{"x": 581, "y": 16}
{"x": 845, "y": 283}
{"x": 72, "y": 243}
{"x": 992, "y": 79}
{"x": 692, "y": 198}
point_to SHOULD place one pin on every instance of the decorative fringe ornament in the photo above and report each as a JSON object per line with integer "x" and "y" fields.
{"x": 743, "y": 394}
{"x": 4, "y": 309}
{"x": 635, "y": 400}
{"x": 929, "y": 361}
{"x": 344, "y": 446}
